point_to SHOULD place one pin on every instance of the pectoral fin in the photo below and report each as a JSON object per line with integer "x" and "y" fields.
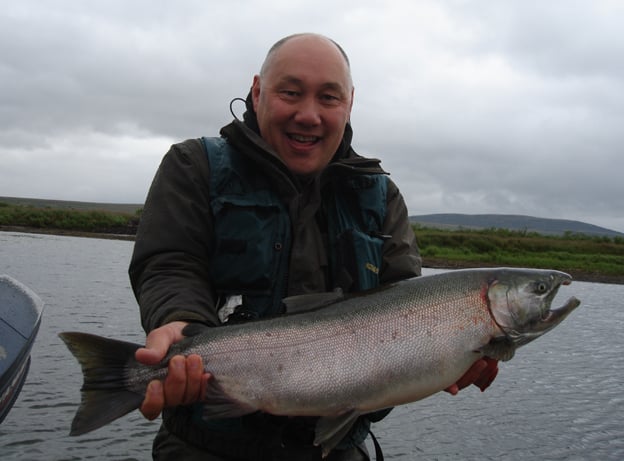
{"x": 500, "y": 348}
{"x": 331, "y": 430}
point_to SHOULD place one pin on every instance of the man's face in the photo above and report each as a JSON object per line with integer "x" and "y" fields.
{"x": 303, "y": 103}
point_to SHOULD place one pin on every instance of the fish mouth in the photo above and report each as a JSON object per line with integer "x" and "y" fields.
{"x": 527, "y": 313}
{"x": 553, "y": 317}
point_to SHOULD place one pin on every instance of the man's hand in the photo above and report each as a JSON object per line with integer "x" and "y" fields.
{"x": 481, "y": 374}
{"x": 185, "y": 382}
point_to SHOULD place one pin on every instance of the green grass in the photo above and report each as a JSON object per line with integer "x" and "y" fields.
{"x": 593, "y": 258}
{"x": 570, "y": 252}
{"x": 66, "y": 219}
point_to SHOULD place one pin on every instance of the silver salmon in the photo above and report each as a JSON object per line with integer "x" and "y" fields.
{"x": 353, "y": 355}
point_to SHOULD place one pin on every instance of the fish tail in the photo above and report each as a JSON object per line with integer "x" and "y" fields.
{"x": 104, "y": 395}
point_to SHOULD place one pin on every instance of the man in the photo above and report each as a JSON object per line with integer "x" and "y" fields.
{"x": 280, "y": 205}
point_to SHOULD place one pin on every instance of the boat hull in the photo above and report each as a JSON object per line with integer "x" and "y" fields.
{"x": 20, "y": 317}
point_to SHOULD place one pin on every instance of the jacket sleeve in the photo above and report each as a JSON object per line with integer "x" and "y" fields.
{"x": 401, "y": 257}
{"x": 169, "y": 266}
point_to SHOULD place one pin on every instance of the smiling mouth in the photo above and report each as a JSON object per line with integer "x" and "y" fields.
{"x": 303, "y": 139}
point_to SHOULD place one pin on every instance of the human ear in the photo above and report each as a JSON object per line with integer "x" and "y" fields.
{"x": 255, "y": 92}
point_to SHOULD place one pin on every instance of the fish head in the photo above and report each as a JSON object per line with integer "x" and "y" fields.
{"x": 520, "y": 302}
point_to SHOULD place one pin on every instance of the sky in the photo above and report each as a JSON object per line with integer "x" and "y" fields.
{"x": 511, "y": 107}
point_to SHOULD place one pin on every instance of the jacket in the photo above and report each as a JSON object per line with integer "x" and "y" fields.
{"x": 170, "y": 266}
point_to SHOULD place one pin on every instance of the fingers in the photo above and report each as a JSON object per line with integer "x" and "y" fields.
{"x": 154, "y": 400}
{"x": 453, "y": 389}
{"x": 148, "y": 356}
{"x": 194, "y": 381}
{"x": 481, "y": 374}
{"x": 488, "y": 375}
{"x": 175, "y": 382}
{"x": 159, "y": 341}
{"x": 185, "y": 383}
{"x": 182, "y": 385}
{"x": 472, "y": 375}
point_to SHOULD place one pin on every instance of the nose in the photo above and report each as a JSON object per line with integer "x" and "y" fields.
{"x": 308, "y": 112}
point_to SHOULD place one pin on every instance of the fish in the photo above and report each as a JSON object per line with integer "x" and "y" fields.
{"x": 338, "y": 356}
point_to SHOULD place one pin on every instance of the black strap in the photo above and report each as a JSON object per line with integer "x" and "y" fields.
{"x": 378, "y": 453}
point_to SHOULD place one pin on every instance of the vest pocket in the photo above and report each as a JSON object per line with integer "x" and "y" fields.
{"x": 358, "y": 258}
{"x": 249, "y": 242}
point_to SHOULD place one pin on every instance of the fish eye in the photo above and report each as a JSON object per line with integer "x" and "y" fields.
{"x": 541, "y": 287}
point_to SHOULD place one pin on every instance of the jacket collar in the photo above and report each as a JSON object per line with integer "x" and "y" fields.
{"x": 245, "y": 137}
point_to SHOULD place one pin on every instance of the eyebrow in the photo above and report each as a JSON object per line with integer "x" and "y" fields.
{"x": 328, "y": 85}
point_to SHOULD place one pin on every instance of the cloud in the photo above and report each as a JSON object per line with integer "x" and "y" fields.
{"x": 84, "y": 166}
{"x": 509, "y": 107}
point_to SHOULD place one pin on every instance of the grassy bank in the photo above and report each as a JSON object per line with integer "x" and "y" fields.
{"x": 67, "y": 220}
{"x": 587, "y": 258}
{"x": 598, "y": 259}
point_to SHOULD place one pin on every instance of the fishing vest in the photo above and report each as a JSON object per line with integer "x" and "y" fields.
{"x": 252, "y": 231}
{"x": 251, "y": 246}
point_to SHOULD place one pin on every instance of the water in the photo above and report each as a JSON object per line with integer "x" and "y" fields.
{"x": 560, "y": 398}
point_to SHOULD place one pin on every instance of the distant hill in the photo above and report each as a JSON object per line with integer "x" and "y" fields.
{"x": 511, "y": 222}
{"x": 129, "y": 208}
{"x": 440, "y": 220}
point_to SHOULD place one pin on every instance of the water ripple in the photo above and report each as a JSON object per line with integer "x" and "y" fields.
{"x": 559, "y": 399}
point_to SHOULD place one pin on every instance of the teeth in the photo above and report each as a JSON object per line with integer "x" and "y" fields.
{"x": 301, "y": 138}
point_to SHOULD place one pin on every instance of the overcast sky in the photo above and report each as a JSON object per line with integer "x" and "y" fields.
{"x": 512, "y": 107}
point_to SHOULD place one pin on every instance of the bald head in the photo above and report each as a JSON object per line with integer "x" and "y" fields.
{"x": 302, "y": 99}
{"x": 305, "y": 36}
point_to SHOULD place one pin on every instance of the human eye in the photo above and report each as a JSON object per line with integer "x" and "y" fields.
{"x": 330, "y": 99}
{"x": 332, "y": 95}
{"x": 289, "y": 93}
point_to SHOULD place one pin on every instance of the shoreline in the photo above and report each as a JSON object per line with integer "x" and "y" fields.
{"x": 577, "y": 275}
{"x": 67, "y": 233}
{"x": 430, "y": 263}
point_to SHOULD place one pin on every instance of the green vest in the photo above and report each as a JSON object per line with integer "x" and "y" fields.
{"x": 251, "y": 252}
{"x": 253, "y": 231}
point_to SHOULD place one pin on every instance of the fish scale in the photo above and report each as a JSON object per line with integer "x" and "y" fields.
{"x": 360, "y": 353}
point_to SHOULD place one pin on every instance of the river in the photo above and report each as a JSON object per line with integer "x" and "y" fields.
{"x": 560, "y": 398}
